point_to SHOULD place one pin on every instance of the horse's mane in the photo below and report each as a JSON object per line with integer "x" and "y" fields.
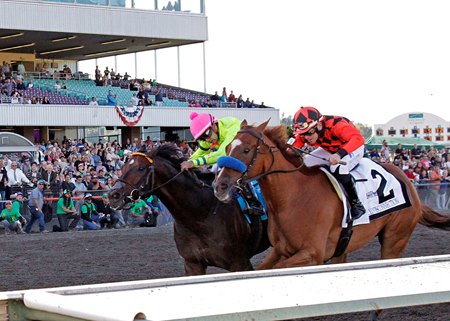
{"x": 278, "y": 135}
{"x": 172, "y": 153}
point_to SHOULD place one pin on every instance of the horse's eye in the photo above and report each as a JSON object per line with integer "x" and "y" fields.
{"x": 141, "y": 169}
{"x": 246, "y": 150}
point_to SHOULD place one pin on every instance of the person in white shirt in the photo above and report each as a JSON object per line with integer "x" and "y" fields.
{"x": 134, "y": 101}
{"x": 16, "y": 177}
{"x": 386, "y": 151}
{"x": 93, "y": 102}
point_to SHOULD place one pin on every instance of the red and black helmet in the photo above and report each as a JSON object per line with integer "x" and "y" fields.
{"x": 305, "y": 119}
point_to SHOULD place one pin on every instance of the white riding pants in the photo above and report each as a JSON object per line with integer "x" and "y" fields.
{"x": 320, "y": 156}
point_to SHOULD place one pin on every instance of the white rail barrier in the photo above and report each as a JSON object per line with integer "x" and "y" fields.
{"x": 259, "y": 295}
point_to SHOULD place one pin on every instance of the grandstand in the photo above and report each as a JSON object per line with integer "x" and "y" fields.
{"x": 53, "y": 34}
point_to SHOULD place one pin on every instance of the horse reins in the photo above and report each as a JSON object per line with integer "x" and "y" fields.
{"x": 257, "y": 151}
{"x": 152, "y": 189}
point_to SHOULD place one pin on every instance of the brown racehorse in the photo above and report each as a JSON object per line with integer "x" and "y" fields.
{"x": 305, "y": 213}
{"x": 206, "y": 232}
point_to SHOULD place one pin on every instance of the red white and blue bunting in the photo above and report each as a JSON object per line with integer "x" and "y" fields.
{"x": 130, "y": 115}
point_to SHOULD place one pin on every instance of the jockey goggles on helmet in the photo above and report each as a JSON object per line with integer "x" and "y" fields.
{"x": 305, "y": 121}
{"x": 310, "y": 132}
{"x": 207, "y": 134}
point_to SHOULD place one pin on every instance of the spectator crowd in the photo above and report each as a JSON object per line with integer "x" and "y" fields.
{"x": 71, "y": 180}
{"x": 427, "y": 168}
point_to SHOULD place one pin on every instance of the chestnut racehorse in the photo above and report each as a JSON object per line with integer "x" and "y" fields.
{"x": 206, "y": 232}
{"x": 305, "y": 212}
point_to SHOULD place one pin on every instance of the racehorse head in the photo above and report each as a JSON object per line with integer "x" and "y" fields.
{"x": 146, "y": 172}
{"x": 136, "y": 173}
{"x": 250, "y": 154}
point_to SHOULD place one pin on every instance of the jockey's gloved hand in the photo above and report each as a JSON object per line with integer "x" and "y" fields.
{"x": 334, "y": 159}
{"x": 187, "y": 165}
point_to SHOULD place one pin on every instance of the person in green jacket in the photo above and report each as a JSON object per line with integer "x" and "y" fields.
{"x": 11, "y": 219}
{"x": 65, "y": 211}
{"x": 138, "y": 213}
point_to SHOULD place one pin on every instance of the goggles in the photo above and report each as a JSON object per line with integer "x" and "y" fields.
{"x": 310, "y": 132}
{"x": 301, "y": 125}
{"x": 207, "y": 134}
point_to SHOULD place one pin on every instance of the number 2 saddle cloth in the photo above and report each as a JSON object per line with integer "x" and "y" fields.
{"x": 379, "y": 191}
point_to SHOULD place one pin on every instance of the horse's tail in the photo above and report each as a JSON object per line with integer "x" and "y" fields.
{"x": 433, "y": 219}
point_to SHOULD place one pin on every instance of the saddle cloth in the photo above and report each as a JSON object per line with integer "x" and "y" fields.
{"x": 378, "y": 190}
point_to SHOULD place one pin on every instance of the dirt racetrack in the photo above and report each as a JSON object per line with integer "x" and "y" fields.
{"x": 88, "y": 257}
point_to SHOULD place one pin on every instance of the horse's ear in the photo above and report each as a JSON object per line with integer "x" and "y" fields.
{"x": 263, "y": 126}
{"x": 244, "y": 123}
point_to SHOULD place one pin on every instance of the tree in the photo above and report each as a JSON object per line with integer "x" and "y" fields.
{"x": 365, "y": 130}
{"x": 288, "y": 122}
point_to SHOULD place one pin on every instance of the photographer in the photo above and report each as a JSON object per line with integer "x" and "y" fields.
{"x": 152, "y": 215}
{"x": 108, "y": 217}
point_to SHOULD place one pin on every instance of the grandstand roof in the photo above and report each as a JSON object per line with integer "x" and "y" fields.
{"x": 78, "y": 32}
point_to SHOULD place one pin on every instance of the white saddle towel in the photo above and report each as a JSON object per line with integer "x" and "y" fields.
{"x": 378, "y": 190}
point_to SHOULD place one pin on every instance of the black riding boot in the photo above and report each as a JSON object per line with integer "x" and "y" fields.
{"x": 356, "y": 208}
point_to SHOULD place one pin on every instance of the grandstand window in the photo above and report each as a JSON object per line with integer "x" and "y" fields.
{"x": 379, "y": 132}
{"x": 415, "y": 130}
{"x": 427, "y": 137}
{"x": 392, "y": 132}
{"x": 439, "y": 138}
{"x": 439, "y": 130}
{"x": 427, "y": 130}
{"x": 403, "y": 132}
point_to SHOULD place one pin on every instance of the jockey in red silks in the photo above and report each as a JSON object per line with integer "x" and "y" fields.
{"x": 340, "y": 145}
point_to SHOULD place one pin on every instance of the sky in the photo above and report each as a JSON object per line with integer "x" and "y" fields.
{"x": 369, "y": 61}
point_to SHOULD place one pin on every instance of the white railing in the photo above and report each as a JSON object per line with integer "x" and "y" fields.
{"x": 259, "y": 295}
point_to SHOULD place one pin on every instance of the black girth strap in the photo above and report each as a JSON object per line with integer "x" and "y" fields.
{"x": 344, "y": 239}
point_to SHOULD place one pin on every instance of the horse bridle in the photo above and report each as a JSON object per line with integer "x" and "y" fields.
{"x": 260, "y": 138}
{"x": 135, "y": 193}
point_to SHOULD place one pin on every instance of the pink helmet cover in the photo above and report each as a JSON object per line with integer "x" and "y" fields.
{"x": 200, "y": 123}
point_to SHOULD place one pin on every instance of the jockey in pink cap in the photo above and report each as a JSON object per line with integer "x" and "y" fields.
{"x": 213, "y": 137}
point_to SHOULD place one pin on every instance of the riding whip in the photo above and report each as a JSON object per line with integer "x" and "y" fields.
{"x": 298, "y": 150}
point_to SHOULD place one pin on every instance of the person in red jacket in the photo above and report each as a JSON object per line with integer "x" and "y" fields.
{"x": 340, "y": 145}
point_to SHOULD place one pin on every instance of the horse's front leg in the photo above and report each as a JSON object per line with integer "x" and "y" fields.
{"x": 194, "y": 268}
{"x": 270, "y": 260}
